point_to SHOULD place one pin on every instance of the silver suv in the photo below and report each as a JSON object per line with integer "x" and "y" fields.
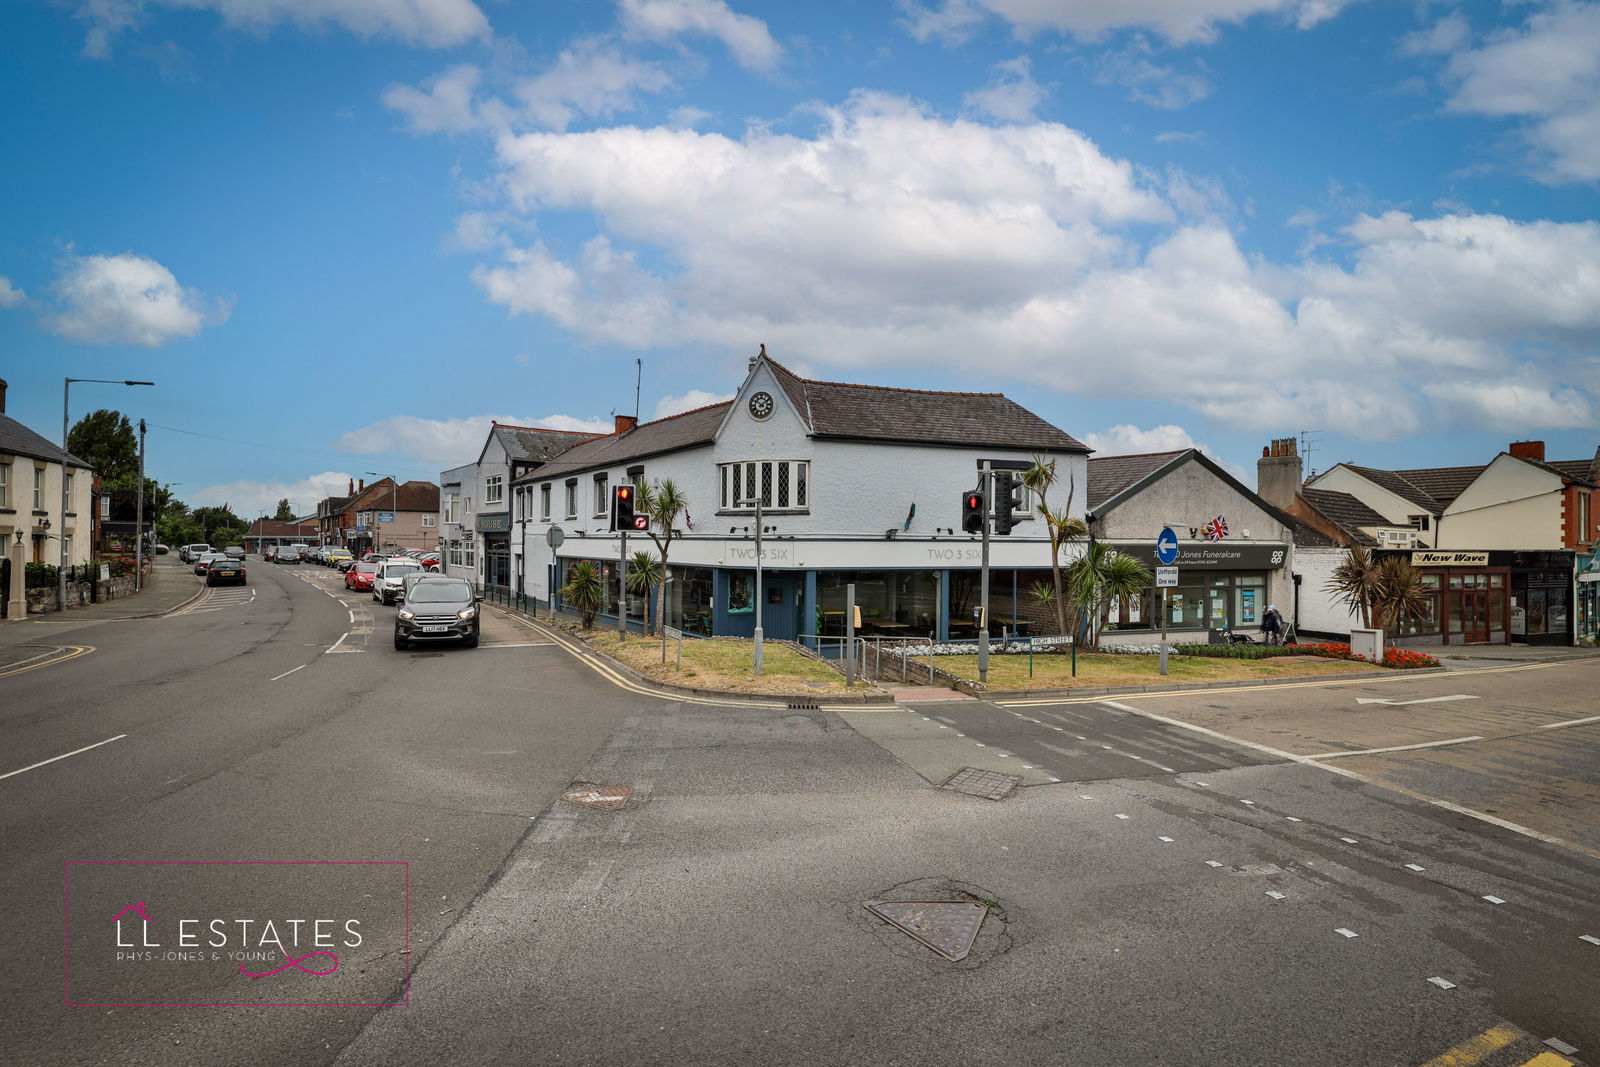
{"x": 388, "y": 585}
{"x": 190, "y": 553}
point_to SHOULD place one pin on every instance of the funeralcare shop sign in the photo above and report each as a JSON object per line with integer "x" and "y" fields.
{"x": 1211, "y": 555}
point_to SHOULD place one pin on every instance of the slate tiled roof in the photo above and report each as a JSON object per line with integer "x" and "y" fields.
{"x": 408, "y": 496}
{"x": 1305, "y": 535}
{"x": 1346, "y": 511}
{"x": 697, "y": 427}
{"x": 17, "y": 440}
{"x": 1443, "y": 484}
{"x": 1110, "y": 475}
{"x": 1576, "y": 469}
{"x": 1403, "y": 487}
{"x": 916, "y": 416}
{"x": 533, "y": 444}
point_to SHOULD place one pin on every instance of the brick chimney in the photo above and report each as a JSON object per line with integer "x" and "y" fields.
{"x": 361, "y": 487}
{"x": 2, "y": 396}
{"x": 1533, "y": 450}
{"x": 625, "y": 423}
{"x": 1278, "y": 472}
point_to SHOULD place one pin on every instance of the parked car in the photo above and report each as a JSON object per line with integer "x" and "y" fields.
{"x": 333, "y": 556}
{"x": 234, "y": 552}
{"x": 269, "y": 553}
{"x": 203, "y": 561}
{"x": 190, "y": 553}
{"x": 360, "y": 576}
{"x": 345, "y": 564}
{"x": 226, "y": 570}
{"x": 287, "y": 554}
{"x": 389, "y": 585}
{"x": 431, "y": 561}
{"x": 438, "y": 609}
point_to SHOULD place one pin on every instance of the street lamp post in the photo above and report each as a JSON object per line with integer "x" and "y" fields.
{"x": 394, "y": 501}
{"x": 66, "y": 393}
{"x": 759, "y": 595}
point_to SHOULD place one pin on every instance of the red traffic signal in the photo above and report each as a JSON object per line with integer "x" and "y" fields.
{"x": 972, "y": 512}
{"x": 622, "y": 516}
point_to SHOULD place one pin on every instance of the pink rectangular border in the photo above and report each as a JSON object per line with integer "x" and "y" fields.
{"x": 405, "y": 981}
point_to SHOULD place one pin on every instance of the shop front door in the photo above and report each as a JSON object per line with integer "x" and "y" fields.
{"x": 779, "y": 610}
{"x": 1475, "y": 616}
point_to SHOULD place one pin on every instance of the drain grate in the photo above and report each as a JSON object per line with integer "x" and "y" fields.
{"x": 599, "y": 797}
{"x": 949, "y": 927}
{"x": 801, "y": 705}
{"x": 990, "y": 785}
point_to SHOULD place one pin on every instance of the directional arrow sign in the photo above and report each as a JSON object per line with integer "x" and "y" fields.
{"x": 1424, "y": 700}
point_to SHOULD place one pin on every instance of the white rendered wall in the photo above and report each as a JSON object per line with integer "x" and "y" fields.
{"x": 1510, "y": 505}
{"x": 1318, "y": 611}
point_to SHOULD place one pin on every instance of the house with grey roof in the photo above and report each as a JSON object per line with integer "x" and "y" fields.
{"x": 32, "y": 519}
{"x": 474, "y": 520}
{"x": 858, "y": 486}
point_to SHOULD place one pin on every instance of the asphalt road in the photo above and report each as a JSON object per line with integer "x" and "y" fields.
{"x": 1177, "y": 880}
{"x": 243, "y": 737}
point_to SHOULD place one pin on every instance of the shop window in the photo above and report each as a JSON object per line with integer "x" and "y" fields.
{"x": 892, "y": 603}
{"x": 689, "y": 600}
{"x": 740, "y": 593}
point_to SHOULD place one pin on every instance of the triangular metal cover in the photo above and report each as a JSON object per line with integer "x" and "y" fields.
{"x": 949, "y": 927}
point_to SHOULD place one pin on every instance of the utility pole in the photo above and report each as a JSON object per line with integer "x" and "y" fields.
{"x": 66, "y": 394}
{"x": 759, "y": 595}
{"x": 138, "y": 521}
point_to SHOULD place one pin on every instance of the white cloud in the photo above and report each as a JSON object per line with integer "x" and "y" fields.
{"x": 1151, "y": 83}
{"x": 694, "y": 398}
{"x": 10, "y": 295}
{"x": 475, "y": 231}
{"x": 591, "y": 79}
{"x": 1511, "y": 407}
{"x": 127, "y": 299}
{"x": 891, "y": 237}
{"x": 1180, "y": 137}
{"x": 1449, "y": 34}
{"x": 1178, "y": 21}
{"x": 426, "y": 23}
{"x": 1129, "y": 440}
{"x": 445, "y": 107}
{"x": 665, "y": 20}
{"x": 249, "y": 499}
{"x": 1547, "y": 74}
{"x": 448, "y": 443}
{"x": 1012, "y": 96}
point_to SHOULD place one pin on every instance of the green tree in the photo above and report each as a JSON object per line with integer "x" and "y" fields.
{"x": 1040, "y": 478}
{"x": 1355, "y": 583}
{"x": 644, "y": 574}
{"x": 1099, "y": 576}
{"x": 285, "y": 513}
{"x": 663, "y": 502}
{"x": 1400, "y": 593}
{"x": 220, "y": 525}
{"x": 105, "y": 440}
{"x": 584, "y": 590}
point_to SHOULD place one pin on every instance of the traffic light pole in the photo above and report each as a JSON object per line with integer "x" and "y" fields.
{"x": 986, "y": 479}
{"x": 622, "y": 588}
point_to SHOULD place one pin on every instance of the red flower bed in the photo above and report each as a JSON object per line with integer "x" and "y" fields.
{"x": 1397, "y": 658}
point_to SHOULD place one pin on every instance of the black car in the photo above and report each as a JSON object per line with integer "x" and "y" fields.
{"x": 287, "y": 554}
{"x": 226, "y": 572}
{"x": 438, "y": 609}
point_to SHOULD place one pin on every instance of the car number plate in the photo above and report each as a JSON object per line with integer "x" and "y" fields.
{"x": 433, "y": 629}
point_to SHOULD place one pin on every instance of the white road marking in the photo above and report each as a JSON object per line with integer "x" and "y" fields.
{"x": 1122, "y": 816}
{"x": 1396, "y": 748}
{"x": 1085, "y": 796}
{"x": 64, "y": 755}
{"x": 1168, "y": 840}
{"x": 1402, "y": 703}
{"x": 1414, "y": 867}
{"x": 1346, "y": 933}
{"x": 1275, "y": 895}
{"x": 1570, "y": 722}
{"x": 1250, "y": 802}
{"x": 286, "y": 674}
{"x": 339, "y": 642}
{"x": 1349, "y": 840}
{"x": 1441, "y": 983}
{"x": 1291, "y": 818}
{"x": 1561, "y": 1046}
{"x": 1494, "y": 900}
{"x": 1212, "y": 863}
{"x": 1593, "y": 940}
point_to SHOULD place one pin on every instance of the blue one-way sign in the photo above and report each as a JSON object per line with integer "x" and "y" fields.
{"x": 1167, "y": 547}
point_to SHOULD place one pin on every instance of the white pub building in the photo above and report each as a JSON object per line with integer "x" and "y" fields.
{"x": 859, "y": 485}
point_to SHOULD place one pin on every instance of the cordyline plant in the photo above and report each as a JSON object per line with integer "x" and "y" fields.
{"x": 584, "y": 590}
{"x": 664, "y": 502}
{"x": 1384, "y": 592}
{"x": 1098, "y": 577}
{"x": 1040, "y": 477}
{"x": 644, "y": 574}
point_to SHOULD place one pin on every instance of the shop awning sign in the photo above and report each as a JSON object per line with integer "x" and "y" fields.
{"x": 1449, "y": 559}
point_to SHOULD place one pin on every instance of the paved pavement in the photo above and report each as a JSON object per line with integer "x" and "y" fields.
{"x": 171, "y": 584}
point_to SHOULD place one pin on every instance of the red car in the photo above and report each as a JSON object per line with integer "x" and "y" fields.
{"x": 360, "y": 577}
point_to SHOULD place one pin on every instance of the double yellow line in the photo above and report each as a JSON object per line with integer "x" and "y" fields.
{"x": 60, "y": 654}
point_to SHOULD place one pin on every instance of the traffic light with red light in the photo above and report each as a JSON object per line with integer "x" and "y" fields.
{"x": 972, "y": 511}
{"x": 622, "y": 516}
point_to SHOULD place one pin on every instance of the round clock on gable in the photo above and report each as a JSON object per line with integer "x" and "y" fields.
{"x": 760, "y": 405}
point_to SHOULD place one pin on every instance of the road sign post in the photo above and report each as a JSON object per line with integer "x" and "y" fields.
{"x": 1166, "y": 578}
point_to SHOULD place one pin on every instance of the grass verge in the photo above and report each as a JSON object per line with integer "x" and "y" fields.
{"x": 723, "y": 663}
{"x": 1094, "y": 670}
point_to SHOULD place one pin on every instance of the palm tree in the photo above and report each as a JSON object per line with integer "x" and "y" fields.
{"x": 1061, "y": 526}
{"x": 1355, "y": 583}
{"x": 644, "y": 574}
{"x": 663, "y": 502}
{"x": 1400, "y": 593}
{"x": 1099, "y": 576}
{"x": 584, "y": 590}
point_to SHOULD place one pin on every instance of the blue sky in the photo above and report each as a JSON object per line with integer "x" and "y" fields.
{"x": 341, "y": 235}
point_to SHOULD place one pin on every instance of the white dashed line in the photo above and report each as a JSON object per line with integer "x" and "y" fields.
{"x": 1122, "y": 816}
{"x": 286, "y": 674}
{"x": 1494, "y": 900}
{"x": 1275, "y": 895}
{"x": 1291, "y": 818}
{"x": 1414, "y": 867}
{"x": 1441, "y": 983}
{"x": 1168, "y": 840}
{"x": 1593, "y": 940}
{"x": 1212, "y": 863}
{"x": 1349, "y": 840}
{"x": 1346, "y": 933}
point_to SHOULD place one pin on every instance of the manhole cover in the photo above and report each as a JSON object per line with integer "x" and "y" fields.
{"x": 600, "y": 797}
{"x": 946, "y": 926}
{"x": 990, "y": 785}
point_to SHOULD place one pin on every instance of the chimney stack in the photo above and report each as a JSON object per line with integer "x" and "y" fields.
{"x": 1278, "y": 472}
{"x": 361, "y": 487}
{"x": 1533, "y": 450}
{"x": 625, "y": 423}
{"x": 2, "y": 396}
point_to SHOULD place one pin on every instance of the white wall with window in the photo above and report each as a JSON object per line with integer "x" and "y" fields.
{"x": 494, "y": 488}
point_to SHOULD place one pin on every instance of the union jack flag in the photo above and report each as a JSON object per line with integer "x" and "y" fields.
{"x": 1216, "y": 529}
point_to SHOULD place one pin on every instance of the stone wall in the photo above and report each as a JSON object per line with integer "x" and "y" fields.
{"x": 44, "y": 601}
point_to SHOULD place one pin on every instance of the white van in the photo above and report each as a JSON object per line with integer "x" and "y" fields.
{"x": 388, "y": 585}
